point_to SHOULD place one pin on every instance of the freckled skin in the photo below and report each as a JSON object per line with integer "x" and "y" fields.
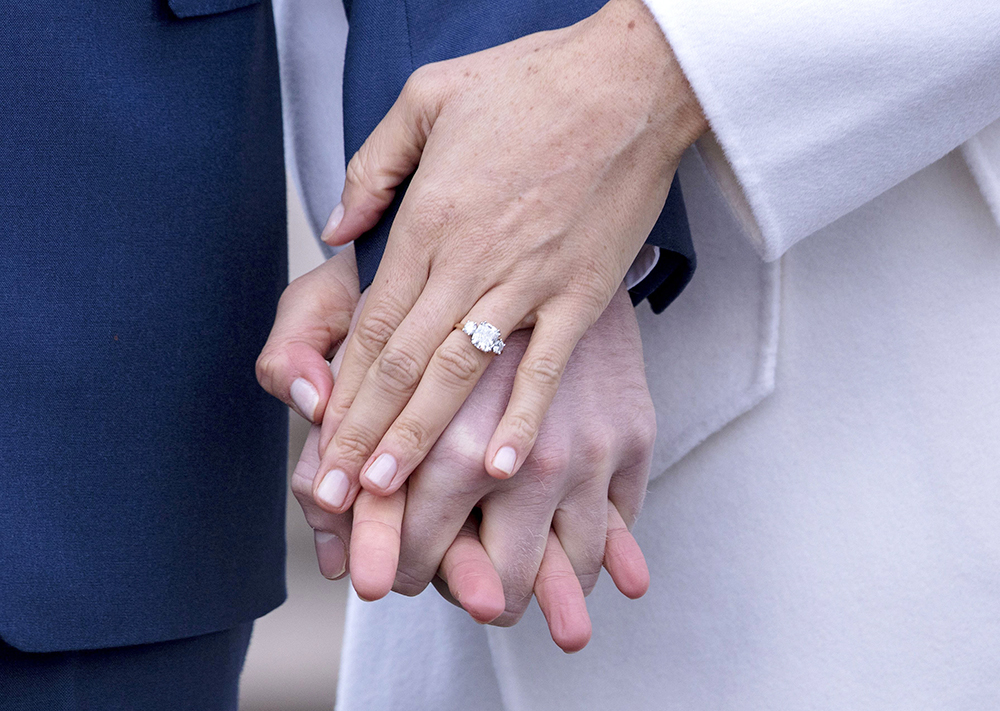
{"x": 538, "y": 170}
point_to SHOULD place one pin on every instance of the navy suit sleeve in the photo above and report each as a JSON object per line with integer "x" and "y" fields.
{"x": 389, "y": 40}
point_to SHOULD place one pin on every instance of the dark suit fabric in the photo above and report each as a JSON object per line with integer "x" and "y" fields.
{"x": 195, "y": 674}
{"x": 390, "y": 38}
{"x": 142, "y": 253}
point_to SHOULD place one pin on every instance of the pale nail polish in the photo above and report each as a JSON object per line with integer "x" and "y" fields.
{"x": 382, "y": 470}
{"x": 331, "y": 554}
{"x": 505, "y": 459}
{"x": 333, "y": 489}
{"x": 305, "y": 397}
{"x": 334, "y": 222}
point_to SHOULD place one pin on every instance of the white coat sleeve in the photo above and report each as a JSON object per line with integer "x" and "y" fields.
{"x": 818, "y": 106}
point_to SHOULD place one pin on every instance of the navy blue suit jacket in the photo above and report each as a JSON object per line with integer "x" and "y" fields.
{"x": 388, "y": 39}
{"x": 142, "y": 252}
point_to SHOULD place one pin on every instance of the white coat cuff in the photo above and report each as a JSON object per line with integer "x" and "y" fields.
{"x": 816, "y": 108}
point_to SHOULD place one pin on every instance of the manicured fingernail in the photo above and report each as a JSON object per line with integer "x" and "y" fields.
{"x": 305, "y": 397}
{"x": 505, "y": 459}
{"x": 334, "y": 222}
{"x": 331, "y": 554}
{"x": 382, "y": 470}
{"x": 333, "y": 489}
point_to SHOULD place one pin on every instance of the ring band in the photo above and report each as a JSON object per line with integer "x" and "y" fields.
{"x": 485, "y": 336}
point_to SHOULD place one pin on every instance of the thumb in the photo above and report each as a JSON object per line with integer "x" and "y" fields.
{"x": 387, "y": 158}
{"x": 313, "y": 316}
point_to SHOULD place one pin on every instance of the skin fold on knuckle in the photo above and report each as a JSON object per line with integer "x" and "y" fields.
{"x": 411, "y": 435}
{"x": 543, "y": 370}
{"x": 424, "y": 93}
{"x": 397, "y": 370}
{"x": 266, "y": 367}
{"x": 520, "y": 428}
{"x": 302, "y": 481}
{"x": 459, "y": 366}
{"x": 364, "y": 176}
{"x": 374, "y": 330}
{"x": 597, "y": 448}
{"x": 351, "y": 445}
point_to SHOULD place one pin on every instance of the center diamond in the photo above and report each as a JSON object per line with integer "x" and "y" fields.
{"x": 485, "y": 337}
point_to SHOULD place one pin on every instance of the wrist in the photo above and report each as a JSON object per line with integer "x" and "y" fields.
{"x": 672, "y": 105}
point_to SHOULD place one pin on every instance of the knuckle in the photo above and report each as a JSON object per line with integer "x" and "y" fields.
{"x": 356, "y": 172}
{"x": 644, "y": 429}
{"x": 646, "y": 435}
{"x": 270, "y": 363}
{"x": 354, "y": 444}
{"x": 423, "y": 84}
{"x": 301, "y": 484}
{"x": 458, "y": 363}
{"x": 543, "y": 370}
{"x": 597, "y": 447}
{"x": 399, "y": 369}
{"x": 559, "y": 579}
{"x": 522, "y": 426}
{"x": 413, "y": 434}
{"x": 374, "y": 331}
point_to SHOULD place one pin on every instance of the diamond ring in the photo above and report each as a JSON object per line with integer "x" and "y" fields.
{"x": 485, "y": 336}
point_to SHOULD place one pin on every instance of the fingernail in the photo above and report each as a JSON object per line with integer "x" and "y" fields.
{"x": 331, "y": 554}
{"x": 505, "y": 459}
{"x": 331, "y": 224}
{"x": 382, "y": 470}
{"x": 305, "y": 397}
{"x": 333, "y": 489}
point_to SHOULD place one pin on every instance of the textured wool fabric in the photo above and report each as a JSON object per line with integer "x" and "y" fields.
{"x": 835, "y": 547}
{"x": 820, "y": 107}
{"x": 194, "y": 674}
{"x": 143, "y": 250}
{"x": 821, "y": 528}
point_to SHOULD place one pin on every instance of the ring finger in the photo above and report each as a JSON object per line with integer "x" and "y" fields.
{"x": 383, "y": 391}
{"x": 449, "y": 378}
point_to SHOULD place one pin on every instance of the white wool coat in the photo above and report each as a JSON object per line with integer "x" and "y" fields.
{"x": 823, "y": 523}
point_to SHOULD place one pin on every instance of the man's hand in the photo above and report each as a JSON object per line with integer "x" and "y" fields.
{"x": 543, "y": 165}
{"x": 548, "y": 530}
{"x": 558, "y": 521}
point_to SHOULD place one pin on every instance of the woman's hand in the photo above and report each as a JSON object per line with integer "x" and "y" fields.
{"x": 543, "y": 165}
{"x": 314, "y": 317}
{"x": 547, "y": 531}
{"x": 551, "y": 527}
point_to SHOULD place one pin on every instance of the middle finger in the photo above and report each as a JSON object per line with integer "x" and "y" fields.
{"x": 384, "y": 388}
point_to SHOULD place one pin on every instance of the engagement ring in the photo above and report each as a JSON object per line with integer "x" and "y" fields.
{"x": 485, "y": 336}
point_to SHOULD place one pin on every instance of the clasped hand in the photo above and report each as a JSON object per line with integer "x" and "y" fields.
{"x": 490, "y": 543}
{"x": 538, "y": 169}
